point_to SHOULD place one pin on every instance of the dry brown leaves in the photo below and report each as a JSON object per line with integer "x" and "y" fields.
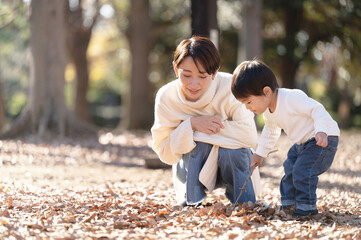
{"x": 83, "y": 189}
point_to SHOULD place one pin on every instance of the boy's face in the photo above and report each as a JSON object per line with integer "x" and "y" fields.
{"x": 259, "y": 104}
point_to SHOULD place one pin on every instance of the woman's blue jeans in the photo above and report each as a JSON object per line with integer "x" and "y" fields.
{"x": 304, "y": 163}
{"x": 233, "y": 170}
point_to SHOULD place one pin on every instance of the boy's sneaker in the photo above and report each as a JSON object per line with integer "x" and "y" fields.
{"x": 289, "y": 210}
{"x": 287, "y": 207}
{"x": 301, "y": 213}
{"x": 258, "y": 203}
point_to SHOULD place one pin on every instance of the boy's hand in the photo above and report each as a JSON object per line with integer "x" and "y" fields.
{"x": 321, "y": 139}
{"x": 256, "y": 160}
{"x": 206, "y": 124}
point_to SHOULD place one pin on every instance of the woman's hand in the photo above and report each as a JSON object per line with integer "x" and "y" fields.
{"x": 206, "y": 124}
{"x": 321, "y": 139}
{"x": 256, "y": 160}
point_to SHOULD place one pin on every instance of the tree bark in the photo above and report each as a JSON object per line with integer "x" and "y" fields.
{"x": 213, "y": 28}
{"x": 2, "y": 106}
{"x": 140, "y": 101}
{"x": 46, "y": 110}
{"x": 199, "y": 17}
{"x": 289, "y": 62}
{"x": 46, "y": 97}
{"x": 344, "y": 108}
{"x": 204, "y": 19}
{"x": 250, "y": 35}
{"x": 78, "y": 38}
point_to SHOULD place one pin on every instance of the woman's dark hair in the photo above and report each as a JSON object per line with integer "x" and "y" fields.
{"x": 203, "y": 52}
{"x": 250, "y": 77}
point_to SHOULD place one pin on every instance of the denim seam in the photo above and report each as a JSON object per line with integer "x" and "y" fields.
{"x": 233, "y": 177}
{"x": 195, "y": 203}
{"x": 310, "y": 174}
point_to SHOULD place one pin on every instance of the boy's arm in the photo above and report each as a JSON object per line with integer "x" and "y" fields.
{"x": 256, "y": 160}
{"x": 270, "y": 134}
{"x": 321, "y": 139}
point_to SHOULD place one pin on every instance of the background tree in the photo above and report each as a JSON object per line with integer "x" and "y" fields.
{"x": 8, "y": 15}
{"x": 2, "y": 106}
{"x": 204, "y": 19}
{"x": 250, "y": 34}
{"x": 307, "y": 26}
{"x": 328, "y": 30}
{"x": 79, "y": 31}
{"x": 46, "y": 109}
{"x": 140, "y": 99}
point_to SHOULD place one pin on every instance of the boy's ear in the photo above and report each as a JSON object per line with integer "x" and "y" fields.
{"x": 267, "y": 91}
{"x": 175, "y": 68}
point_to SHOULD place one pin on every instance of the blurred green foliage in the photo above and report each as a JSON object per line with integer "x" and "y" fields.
{"x": 14, "y": 56}
{"x": 329, "y": 39}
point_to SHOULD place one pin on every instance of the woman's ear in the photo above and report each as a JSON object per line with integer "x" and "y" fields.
{"x": 175, "y": 69}
{"x": 267, "y": 91}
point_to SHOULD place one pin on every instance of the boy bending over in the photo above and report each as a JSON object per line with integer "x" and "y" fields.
{"x": 305, "y": 121}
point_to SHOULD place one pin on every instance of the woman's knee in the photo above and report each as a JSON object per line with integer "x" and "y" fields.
{"x": 236, "y": 157}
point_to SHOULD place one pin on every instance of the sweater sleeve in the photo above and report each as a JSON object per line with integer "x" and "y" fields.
{"x": 239, "y": 128}
{"x": 270, "y": 134}
{"x": 171, "y": 138}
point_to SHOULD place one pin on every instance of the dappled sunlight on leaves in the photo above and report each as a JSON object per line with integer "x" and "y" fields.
{"x": 66, "y": 189}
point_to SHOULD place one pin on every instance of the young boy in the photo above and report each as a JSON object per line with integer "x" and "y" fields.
{"x": 305, "y": 121}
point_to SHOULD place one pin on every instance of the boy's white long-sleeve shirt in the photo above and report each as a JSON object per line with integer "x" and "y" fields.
{"x": 172, "y": 131}
{"x": 300, "y": 117}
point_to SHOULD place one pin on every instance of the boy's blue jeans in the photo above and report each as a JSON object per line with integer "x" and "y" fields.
{"x": 233, "y": 169}
{"x": 304, "y": 163}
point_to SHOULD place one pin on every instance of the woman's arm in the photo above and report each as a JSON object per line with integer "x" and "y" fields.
{"x": 239, "y": 128}
{"x": 171, "y": 138}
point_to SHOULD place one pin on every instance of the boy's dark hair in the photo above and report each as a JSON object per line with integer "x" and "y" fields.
{"x": 250, "y": 77}
{"x": 203, "y": 52}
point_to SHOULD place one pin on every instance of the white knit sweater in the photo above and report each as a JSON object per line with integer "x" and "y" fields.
{"x": 300, "y": 116}
{"x": 173, "y": 135}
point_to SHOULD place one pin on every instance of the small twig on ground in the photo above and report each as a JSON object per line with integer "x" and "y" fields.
{"x": 245, "y": 182}
{"x": 243, "y": 187}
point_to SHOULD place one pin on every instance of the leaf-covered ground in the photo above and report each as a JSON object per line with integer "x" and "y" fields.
{"x": 100, "y": 189}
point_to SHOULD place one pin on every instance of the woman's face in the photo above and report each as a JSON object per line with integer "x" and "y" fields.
{"x": 194, "y": 81}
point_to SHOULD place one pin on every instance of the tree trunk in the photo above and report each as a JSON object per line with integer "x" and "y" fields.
{"x": 288, "y": 72}
{"x": 250, "y": 39}
{"x": 47, "y": 41}
{"x": 213, "y": 28}
{"x": 204, "y": 19}
{"x": 199, "y": 17}
{"x": 344, "y": 108}
{"x": 81, "y": 67}
{"x": 78, "y": 38}
{"x": 46, "y": 110}
{"x": 140, "y": 101}
{"x": 289, "y": 62}
{"x": 250, "y": 34}
{"x": 2, "y": 106}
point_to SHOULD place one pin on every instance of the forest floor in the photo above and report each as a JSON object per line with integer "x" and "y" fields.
{"x": 100, "y": 189}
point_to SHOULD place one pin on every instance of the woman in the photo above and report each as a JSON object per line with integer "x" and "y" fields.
{"x": 201, "y": 129}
